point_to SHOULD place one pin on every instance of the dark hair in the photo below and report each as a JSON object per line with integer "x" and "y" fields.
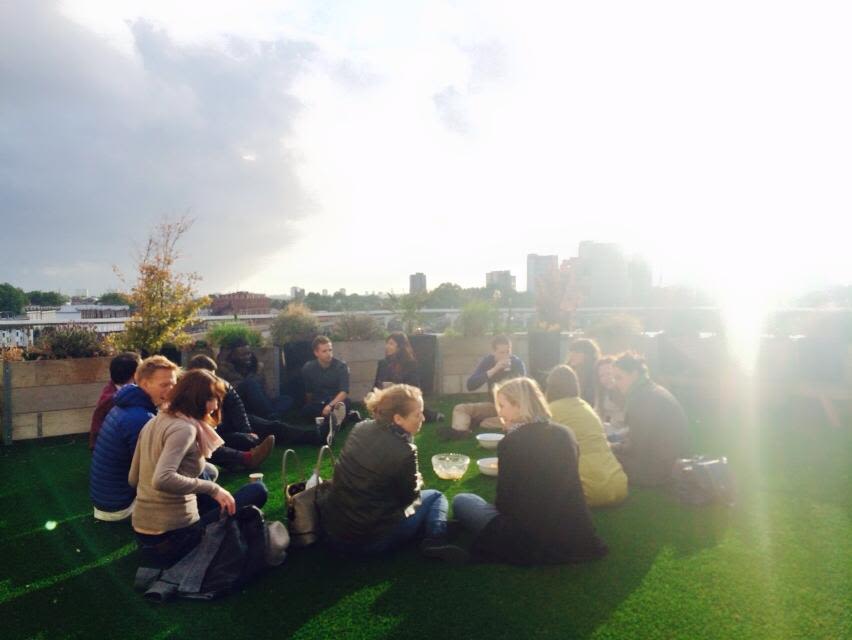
{"x": 632, "y": 362}
{"x": 562, "y": 382}
{"x": 123, "y": 366}
{"x": 496, "y": 341}
{"x": 587, "y": 347}
{"x": 191, "y": 393}
{"x": 201, "y": 361}
{"x": 403, "y": 346}
{"x": 320, "y": 340}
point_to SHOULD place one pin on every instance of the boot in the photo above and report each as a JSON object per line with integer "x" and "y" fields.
{"x": 260, "y": 453}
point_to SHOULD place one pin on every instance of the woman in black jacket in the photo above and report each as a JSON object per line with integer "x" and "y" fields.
{"x": 375, "y": 502}
{"x": 399, "y": 366}
{"x": 540, "y": 515}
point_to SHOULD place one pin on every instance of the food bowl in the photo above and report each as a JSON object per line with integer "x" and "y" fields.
{"x": 487, "y": 466}
{"x": 450, "y": 466}
{"x": 489, "y": 440}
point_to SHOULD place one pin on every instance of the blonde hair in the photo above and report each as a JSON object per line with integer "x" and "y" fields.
{"x": 398, "y": 399}
{"x": 525, "y": 394}
{"x": 151, "y": 365}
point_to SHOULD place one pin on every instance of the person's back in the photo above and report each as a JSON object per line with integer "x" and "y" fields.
{"x": 657, "y": 434}
{"x": 603, "y": 479}
{"x": 375, "y": 482}
{"x": 543, "y": 513}
{"x": 108, "y": 486}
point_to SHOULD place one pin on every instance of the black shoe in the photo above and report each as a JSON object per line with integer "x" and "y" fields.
{"x": 446, "y": 432}
{"x": 439, "y": 417}
{"x": 442, "y": 550}
{"x": 353, "y": 417}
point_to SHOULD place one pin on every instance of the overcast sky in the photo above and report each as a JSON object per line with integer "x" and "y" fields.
{"x": 349, "y": 144}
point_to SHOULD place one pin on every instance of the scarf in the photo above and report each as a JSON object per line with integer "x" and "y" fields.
{"x": 205, "y": 435}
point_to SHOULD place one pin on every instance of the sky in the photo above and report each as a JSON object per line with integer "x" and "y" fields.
{"x": 350, "y": 144}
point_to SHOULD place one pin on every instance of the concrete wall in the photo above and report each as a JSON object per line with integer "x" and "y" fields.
{"x": 362, "y": 357}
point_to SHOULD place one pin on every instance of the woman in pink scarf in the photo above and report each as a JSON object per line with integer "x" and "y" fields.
{"x": 176, "y": 490}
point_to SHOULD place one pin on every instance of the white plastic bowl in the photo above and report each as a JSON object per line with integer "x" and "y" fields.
{"x": 450, "y": 466}
{"x": 487, "y": 466}
{"x": 489, "y": 440}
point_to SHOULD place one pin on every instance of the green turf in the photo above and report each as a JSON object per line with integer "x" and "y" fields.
{"x": 778, "y": 565}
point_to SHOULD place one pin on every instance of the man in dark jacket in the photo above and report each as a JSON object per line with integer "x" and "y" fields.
{"x": 135, "y": 405}
{"x": 326, "y": 381}
{"x": 494, "y": 368}
{"x": 656, "y": 423}
{"x": 122, "y": 368}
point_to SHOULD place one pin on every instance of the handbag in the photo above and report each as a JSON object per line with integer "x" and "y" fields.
{"x": 702, "y": 480}
{"x": 303, "y": 521}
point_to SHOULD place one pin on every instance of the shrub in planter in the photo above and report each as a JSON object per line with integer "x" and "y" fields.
{"x": 614, "y": 332}
{"x": 357, "y": 327}
{"x": 229, "y": 334}
{"x": 295, "y": 323}
{"x": 477, "y": 318}
{"x": 71, "y": 341}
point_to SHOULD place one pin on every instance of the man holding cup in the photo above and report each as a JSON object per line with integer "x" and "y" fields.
{"x": 497, "y": 366}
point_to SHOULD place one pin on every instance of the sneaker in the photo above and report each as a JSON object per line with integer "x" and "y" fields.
{"x": 439, "y": 417}
{"x": 260, "y": 453}
{"x": 446, "y": 432}
{"x": 442, "y": 550}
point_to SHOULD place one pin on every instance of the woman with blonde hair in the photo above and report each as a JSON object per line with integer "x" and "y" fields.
{"x": 176, "y": 490}
{"x": 375, "y": 503}
{"x": 603, "y": 479}
{"x": 540, "y": 515}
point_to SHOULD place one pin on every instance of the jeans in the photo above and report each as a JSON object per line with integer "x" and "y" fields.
{"x": 430, "y": 520}
{"x": 164, "y": 549}
{"x": 473, "y": 512}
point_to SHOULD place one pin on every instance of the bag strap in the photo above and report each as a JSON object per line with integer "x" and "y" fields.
{"x": 325, "y": 449}
{"x": 301, "y": 474}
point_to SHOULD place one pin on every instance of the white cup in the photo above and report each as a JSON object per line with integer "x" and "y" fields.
{"x": 256, "y": 477}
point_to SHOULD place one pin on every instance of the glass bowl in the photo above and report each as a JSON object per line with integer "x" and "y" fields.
{"x": 450, "y": 466}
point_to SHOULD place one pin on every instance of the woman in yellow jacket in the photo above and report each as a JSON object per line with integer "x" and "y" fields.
{"x": 604, "y": 481}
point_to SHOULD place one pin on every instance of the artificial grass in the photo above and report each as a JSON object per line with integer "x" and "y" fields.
{"x": 777, "y": 565}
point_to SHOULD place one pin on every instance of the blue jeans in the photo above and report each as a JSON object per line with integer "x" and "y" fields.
{"x": 430, "y": 520}
{"x": 252, "y": 493}
{"x": 473, "y": 512}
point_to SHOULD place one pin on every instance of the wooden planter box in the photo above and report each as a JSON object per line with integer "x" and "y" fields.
{"x": 50, "y": 397}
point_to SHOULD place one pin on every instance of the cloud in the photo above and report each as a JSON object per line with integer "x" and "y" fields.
{"x": 96, "y": 147}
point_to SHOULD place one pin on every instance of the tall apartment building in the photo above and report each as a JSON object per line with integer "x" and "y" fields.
{"x": 417, "y": 283}
{"x": 503, "y": 280}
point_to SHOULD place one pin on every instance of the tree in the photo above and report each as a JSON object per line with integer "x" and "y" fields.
{"x": 12, "y": 299}
{"x": 163, "y": 300}
{"x": 446, "y": 296}
{"x": 115, "y": 298}
{"x": 410, "y": 307}
{"x": 46, "y": 298}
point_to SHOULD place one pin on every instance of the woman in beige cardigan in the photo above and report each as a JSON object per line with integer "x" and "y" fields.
{"x": 176, "y": 490}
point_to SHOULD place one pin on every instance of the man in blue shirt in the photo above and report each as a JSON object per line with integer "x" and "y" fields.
{"x": 496, "y": 367}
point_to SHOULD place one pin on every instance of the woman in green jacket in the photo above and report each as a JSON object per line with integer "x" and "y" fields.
{"x": 604, "y": 481}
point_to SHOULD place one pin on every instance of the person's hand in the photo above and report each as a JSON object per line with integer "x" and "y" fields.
{"x": 326, "y": 410}
{"x": 226, "y": 502}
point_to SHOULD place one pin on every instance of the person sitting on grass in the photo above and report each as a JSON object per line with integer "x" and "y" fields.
{"x": 399, "y": 366}
{"x": 656, "y": 423}
{"x": 583, "y": 355}
{"x": 494, "y": 368}
{"x": 242, "y": 431}
{"x": 135, "y": 404}
{"x": 177, "y": 494}
{"x": 601, "y": 475}
{"x": 375, "y": 503}
{"x": 540, "y": 515}
{"x": 121, "y": 370}
{"x": 326, "y": 381}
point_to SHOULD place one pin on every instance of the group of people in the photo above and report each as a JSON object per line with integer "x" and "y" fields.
{"x": 158, "y": 434}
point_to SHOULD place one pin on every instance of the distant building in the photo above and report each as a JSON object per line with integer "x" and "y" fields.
{"x": 325, "y": 292}
{"x": 605, "y": 278}
{"x": 503, "y": 280}
{"x": 297, "y": 293}
{"x": 417, "y": 283}
{"x": 72, "y": 312}
{"x": 240, "y": 303}
{"x": 539, "y": 267}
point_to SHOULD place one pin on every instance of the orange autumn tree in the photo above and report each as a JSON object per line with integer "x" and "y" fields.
{"x": 164, "y": 300}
